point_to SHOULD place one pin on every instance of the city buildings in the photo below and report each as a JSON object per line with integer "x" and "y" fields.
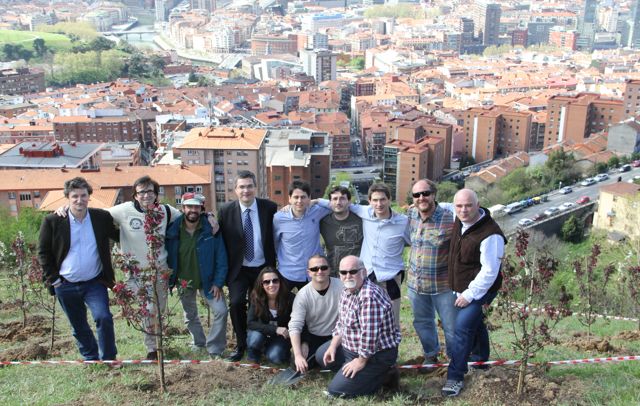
{"x": 21, "y": 81}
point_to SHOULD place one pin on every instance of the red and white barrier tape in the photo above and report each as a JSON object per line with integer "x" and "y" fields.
{"x": 600, "y": 316}
{"x": 601, "y": 360}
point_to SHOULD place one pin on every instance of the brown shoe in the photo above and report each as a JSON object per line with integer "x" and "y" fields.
{"x": 152, "y": 356}
{"x": 429, "y": 360}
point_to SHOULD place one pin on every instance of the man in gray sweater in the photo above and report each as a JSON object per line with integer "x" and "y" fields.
{"x": 315, "y": 312}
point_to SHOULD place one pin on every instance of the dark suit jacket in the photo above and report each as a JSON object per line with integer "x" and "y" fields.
{"x": 230, "y": 220}
{"x": 55, "y": 241}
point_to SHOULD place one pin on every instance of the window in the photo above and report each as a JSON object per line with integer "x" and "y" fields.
{"x": 161, "y": 190}
{"x": 277, "y": 177}
{"x": 178, "y": 190}
{"x": 278, "y": 192}
{"x": 12, "y": 195}
{"x": 189, "y": 188}
{"x": 25, "y": 196}
{"x": 36, "y": 194}
{"x": 178, "y": 200}
{"x": 198, "y": 189}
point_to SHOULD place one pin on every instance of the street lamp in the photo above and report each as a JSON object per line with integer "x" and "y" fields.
{"x": 559, "y": 185}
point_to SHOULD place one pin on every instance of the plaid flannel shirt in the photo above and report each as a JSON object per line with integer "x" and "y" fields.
{"x": 365, "y": 323}
{"x": 429, "y": 251}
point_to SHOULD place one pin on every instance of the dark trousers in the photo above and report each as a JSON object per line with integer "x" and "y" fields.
{"x": 277, "y": 349}
{"x": 293, "y": 284}
{"x": 239, "y": 289}
{"x": 368, "y": 380}
{"x": 471, "y": 336}
{"x": 74, "y": 298}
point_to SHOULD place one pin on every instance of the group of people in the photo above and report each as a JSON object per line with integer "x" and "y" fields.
{"x": 345, "y": 313}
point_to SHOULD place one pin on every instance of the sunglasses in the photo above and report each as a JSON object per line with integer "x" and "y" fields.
{"x": 268, "y": 282}
{"x": 319, "y": 268}
{"x": 350, "y": 271}
{"x": 424, "y": 193}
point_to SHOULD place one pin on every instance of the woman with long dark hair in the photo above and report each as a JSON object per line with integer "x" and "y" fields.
{"x": 268, "y": 317}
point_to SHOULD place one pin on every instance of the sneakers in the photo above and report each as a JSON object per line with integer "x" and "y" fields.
{"x": 452, "y": 388}
{"x": 215, "y": 356}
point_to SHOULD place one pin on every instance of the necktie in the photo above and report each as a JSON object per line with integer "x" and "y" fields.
{"x": 248, "y": 236}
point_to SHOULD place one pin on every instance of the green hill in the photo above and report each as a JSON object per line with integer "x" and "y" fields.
{"x": 55, "y": 42}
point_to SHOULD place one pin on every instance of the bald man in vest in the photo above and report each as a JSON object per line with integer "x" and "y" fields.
{"x": 475, "y": 256}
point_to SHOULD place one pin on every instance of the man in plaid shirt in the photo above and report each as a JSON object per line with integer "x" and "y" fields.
{"x": 430, "y": 226}
{"x": 365, "y": 333}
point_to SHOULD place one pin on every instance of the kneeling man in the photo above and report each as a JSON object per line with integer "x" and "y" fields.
{"x": 366, "y": 334}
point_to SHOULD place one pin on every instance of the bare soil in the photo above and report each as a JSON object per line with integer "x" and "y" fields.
{"x": 633, "y": 335}
{"x": 581, "y": 342}
{"x": 13, "y": 332}
{"x": 497, "y": 386}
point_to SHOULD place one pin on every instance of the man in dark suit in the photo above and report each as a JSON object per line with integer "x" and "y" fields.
{"x": 75, "y": 256}
{"x": 247, "y": 229}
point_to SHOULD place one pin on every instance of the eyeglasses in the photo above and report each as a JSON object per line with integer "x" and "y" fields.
{"x": 268, "y": 282}
{"x": 350, "y": 271}
{"x": 319, "y": 268}
{"x": 146, "y": 192}
{"x": 424, "y": 193}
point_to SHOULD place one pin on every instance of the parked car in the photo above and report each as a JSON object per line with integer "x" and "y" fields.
{"x": 525, "y": 222}
{"x": 542, "y": 198}
{"x": 588, "y": 182}
{"x": 566, "y": 190}
{"x": 625, "y": 168}
{"x": 583, "y": 200}
{"x": 540, "y": 216}
{"x": 636, "y": 163}
{"x": 601, "y": 176}
{"x": 514, "y": 207}
{"x": 567, "y": 205}
{"x": 551, "y": 211}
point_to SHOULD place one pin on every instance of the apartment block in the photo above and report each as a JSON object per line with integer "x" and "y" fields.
{"x": 406, "y": 162}
{"x": 575, "y": 117}
{"x": 494, "y": 132}
{"x": 21, "y": 81}
{"x": 274, "y": 44}
{"x": 297, "y": 154}
{"x": 30, "y": 187}
{"x": 97, "y": 129}
{"x": 631, "y": 98}
{"x": 227, "y": 150}
{"x": 617, "y": 209}
{"x": 32, "y": 155}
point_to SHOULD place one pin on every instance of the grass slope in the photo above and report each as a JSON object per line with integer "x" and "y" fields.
{"x": 56, "y": 42}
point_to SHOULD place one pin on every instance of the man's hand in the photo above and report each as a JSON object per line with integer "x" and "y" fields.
{"x": 283, "y": 331}
{"x": 351, "y": 368}
{"x": 301, "y": 364}
{"x": 216, "y": 292}
{"x": 214, "y": 223}
{"x": 62, "y": 211}
{"x": 461, "y": 302}
{"x": 329, "y": 355}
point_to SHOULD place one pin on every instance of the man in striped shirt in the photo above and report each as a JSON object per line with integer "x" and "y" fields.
{"x": 430, "y": 226}
{"x": 365, "y": 333}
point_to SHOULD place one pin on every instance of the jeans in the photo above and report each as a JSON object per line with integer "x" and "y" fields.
{"x": 275, "y": 348}
{"x": 74, "y": 299}
{"x": 471, "y": 337}
{"x": 424, "y": 319}
{"x": 216, "y": 340}
{"x": 369, "y": 379}
{"x": 338, "y": 361}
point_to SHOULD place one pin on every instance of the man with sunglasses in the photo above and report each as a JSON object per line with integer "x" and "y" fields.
{"x": 314, "y": 314}
{"x": 430, "y": 226}
{"x": 365, "y": 334}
